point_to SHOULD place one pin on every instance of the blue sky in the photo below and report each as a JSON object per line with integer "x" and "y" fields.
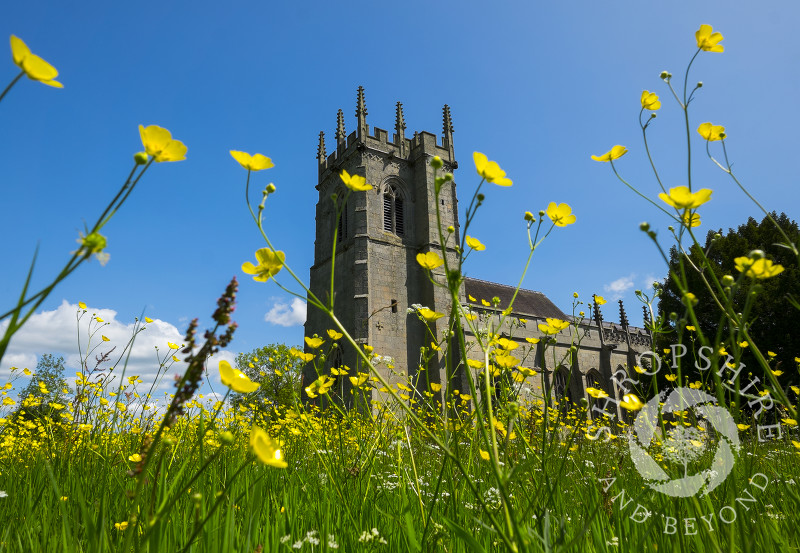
{"x": 539, "y": 87}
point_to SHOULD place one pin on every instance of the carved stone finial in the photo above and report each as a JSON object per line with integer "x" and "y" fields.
{"x": 361, "y": 112}
{"x": 447, "y": 130}
{"x": 321, "y": 153}
{"x": 447, "y": 123}
{"x": 598, "y": 316}
{"x": 623, "y": 319}
{"x": 341, "y": 135}
{"x": 399, "y": 122}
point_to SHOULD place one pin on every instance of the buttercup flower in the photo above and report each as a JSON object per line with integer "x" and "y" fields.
{"x": 475, "y": 244}
{"x": 711, "y": 132}
{"x": 596, "y": 393}
{"x": 235, "y": 379}
{"x": 650, "y": 100}
{"x": 256, "y": 162}
{"x": 34, "y": 67}
{"x": 553, "y": 326}
{"x": 320, "y": 386}
{"x": 614, "y": 153}
{"x": 93, "y": 244}
{"x": 356, "y": 183}
{"x": 691, "y": 220}
{"x": 490, "y": 170}
{"x": 314, "y": 343}
{"x": 631, "y": 402}
{"x": 430, "y": 315}
{"x": 682, "y": 198}
{"x": 429, "y": 260}
{"x": 158, "y": 143}
{"x": 334, "y": 335}
{"x": 600, "y": 300}
{"x": 561, "y": 214}
{"x": 269, "y": 264}
{"x": 757, "y": 268}
{"x": 267, "y": 450}
{"x": 708, "y": 41}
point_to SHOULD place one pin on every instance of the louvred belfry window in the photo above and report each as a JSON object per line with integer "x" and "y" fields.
{"x": 392, "y": 211}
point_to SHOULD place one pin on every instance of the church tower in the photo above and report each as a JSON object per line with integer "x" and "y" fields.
{"x": 378, "y": 235}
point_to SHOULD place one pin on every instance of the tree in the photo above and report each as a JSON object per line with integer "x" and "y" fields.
{"x": 49, "y": 372}
{"x": 775, "y": 323}
{"x": 47, "y": 386}
{"x": 277, "y": 371}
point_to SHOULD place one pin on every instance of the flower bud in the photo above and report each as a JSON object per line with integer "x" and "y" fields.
{"x": 451, "y": 229}
{"x": 436, "y": 162}
{"x": 717, "y": 236}
{"x": 528, "y": 216}
{"x": 670, "y": 228}
{"x": 644, "y": 227}
{"x": 448, "y": 177}
{"x": 665, "y": 75}
{"x": 699, "y": 84}
{"x": 574, "y": 294}
{"x": 673, "y": 316}
{"x": 481, "y": 197}
{"x": 270, "y": 188}
{"x": 728, "y": 280}
{"x": 756, "y": 254}
{"x": 226, "y": 437}
{"x": 140, "y": 158}
{"x": 541, "y": 213}
{"x": 756, "y": 289}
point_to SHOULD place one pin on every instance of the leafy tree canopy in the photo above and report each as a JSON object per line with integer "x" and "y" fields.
{"x": 774, "y": 322}
{"x": 48, "y": 376}
{"x": 277, "y": 371}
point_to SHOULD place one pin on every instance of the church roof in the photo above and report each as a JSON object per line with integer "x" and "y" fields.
{"x": 527, "y": 302}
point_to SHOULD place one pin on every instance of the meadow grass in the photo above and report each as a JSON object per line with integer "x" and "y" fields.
{"x": 72, "y": 490}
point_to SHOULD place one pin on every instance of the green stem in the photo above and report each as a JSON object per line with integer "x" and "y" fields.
{"x": 11, "y": 84}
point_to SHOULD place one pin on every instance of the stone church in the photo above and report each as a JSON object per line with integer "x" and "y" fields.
{"x": 377, "y": 278}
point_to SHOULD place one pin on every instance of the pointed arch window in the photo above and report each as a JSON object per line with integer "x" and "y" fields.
{"x": 341, "y": 229}
{"x": 393, "y": 210}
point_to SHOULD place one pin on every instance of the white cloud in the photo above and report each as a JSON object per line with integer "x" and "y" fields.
{"x": 287, "y": 315}
{"x": 59, "y": 332}
{"x": 647, "y": 283}
{"x": 619, "y": 287}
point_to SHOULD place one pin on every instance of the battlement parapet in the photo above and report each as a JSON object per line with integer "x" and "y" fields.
{"x": 396, "y": 147}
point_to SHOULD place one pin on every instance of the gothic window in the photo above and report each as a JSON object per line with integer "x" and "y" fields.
{"x": 560, "y": 378}
{"x": 593, "y": 380}
{"x": 341, "y": 229}
{"x": 392, "y": 210}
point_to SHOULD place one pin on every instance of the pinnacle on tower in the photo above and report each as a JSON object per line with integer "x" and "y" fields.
{"x": 399, "y": 121}
{"x": 447, "y": 126}
{"x": 321, "y": 153}
{"x": 341, "y": 135}
{"x": 623, "y": 319}
{"x": 361, "y": 113}
{"x": 400, "y": 129}
{"x": 646, "y": 317}
{"x": 447, "y": 129}
{"x": 598, "y": 316}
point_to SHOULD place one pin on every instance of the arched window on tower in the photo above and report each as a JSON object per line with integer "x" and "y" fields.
{"x": 341, "y": 230}
{"x": 392, "y": 210}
